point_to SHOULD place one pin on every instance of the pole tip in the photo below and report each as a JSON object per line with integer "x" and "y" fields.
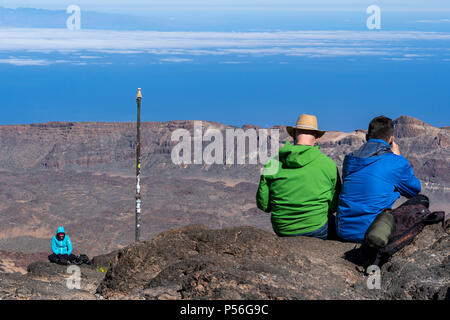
{"x": 139, "y": 95}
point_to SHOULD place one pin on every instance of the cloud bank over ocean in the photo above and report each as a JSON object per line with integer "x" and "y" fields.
{"x": 167, "y": 45}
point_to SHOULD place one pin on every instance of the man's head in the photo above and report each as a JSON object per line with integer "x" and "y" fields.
{"x": 381, "y": 128}
{"x": 306, "y": 137}
{"x": 306, "y": 131}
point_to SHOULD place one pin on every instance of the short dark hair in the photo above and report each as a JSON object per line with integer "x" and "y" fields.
{"x": 381, "y": 128}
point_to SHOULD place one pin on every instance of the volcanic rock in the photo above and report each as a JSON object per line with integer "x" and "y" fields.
{"x": 49, "y": 281}
{"x": 196, "y": 262}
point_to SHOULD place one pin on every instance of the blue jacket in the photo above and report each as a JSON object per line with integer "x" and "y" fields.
{"x": 61, "y": 247}
{"x": 373, "y": 179}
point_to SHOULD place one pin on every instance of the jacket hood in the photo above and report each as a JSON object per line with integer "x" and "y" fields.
{"x": 369, "y": 153}
{"x": 297, "y": 156}
{"x": 372, "y": 148}
{"x": 60, "y": 230}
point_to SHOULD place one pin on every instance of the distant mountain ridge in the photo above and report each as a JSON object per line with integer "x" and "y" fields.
{"x": 43, "y": 18}
{"x": 110, "y": 147}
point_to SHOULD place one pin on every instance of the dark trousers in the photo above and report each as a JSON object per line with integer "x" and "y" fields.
{"x": 320, "y": 233}
{"x": 327, "y": 232}
{"x": 63, "y": 259}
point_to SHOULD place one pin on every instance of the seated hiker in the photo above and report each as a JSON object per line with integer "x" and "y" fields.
{"x": 374, "y": 177}
{"x": 304, "y": 187}
{"x": 61, "y": 247}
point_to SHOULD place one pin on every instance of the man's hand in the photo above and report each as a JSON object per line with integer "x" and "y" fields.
{"x": 395, "y": 148}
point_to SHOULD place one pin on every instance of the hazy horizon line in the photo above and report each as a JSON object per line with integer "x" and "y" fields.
{"x": 189, "y": 120}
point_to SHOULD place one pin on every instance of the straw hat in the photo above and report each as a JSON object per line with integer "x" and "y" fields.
{"x": 305, "y": 122}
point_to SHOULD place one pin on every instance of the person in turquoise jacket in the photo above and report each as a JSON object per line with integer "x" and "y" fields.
{"x": 61, "y": 243}
{"x": 61, "y": 247}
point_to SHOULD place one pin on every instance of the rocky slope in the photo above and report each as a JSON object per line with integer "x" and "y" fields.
{"x": 81, "y": 175}
{"x": 195, "y": 262}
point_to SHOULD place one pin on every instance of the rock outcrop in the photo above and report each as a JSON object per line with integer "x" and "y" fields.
{"x": 196, "y": 262}
{"x": 49, "y": 281}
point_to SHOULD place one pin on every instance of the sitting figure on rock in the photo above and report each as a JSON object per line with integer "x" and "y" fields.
{"x": 374, "y": 177}
{"x": 301, "y": 186}
{"x": 62, "y": 248}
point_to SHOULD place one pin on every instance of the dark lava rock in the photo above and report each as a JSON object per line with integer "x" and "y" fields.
{"x": 419, "y": 271}
{"x": 196, "y": 262}
{"x": 247, "y": 263}
{"x": 103, "y": 262}
{"x": 45, "y": 285}
{"x": 49, "y": 281}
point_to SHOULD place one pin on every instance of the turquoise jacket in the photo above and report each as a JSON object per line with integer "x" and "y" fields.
{"x": 61, "y": 247}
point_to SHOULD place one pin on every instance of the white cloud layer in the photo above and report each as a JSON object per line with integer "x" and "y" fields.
{"x": 25, "y": 62}
{"x": 434, "y": 21}
{"x": 244, "y": 44}
{"x": 38, "y": 62}
{"x": 176, "y": 60}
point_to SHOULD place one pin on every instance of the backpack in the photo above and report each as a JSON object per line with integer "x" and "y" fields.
{"x": 410, "y": 219}
{"x": 84, "y": 259}
{"x": 78, "y": 260}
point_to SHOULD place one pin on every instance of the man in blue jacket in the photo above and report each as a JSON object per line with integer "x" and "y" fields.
{"x": 374, "y": 177}
{"x": 61, "y": 247}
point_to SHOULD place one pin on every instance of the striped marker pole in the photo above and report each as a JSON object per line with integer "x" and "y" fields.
{"x": 138, "y": 167}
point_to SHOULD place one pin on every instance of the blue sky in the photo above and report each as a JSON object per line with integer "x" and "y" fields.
{"x": 235, "y": 62}
{"x": 89, "y": 4}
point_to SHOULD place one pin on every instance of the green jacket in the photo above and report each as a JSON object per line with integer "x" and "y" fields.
{"x": 301, "y": 191}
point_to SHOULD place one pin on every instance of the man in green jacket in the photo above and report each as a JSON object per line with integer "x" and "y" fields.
{"x": 302, "y": 192}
